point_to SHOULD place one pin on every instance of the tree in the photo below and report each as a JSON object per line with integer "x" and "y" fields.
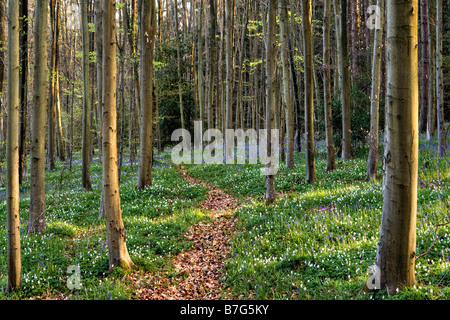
{"x": 309, "y": 93}
{"x": 2, "y": 76}
{"x": 23, "y": 84}
{"x": 36, "y": 220}
{"x": 344, "y": 82}
{"x": 397, "y": 242}
{"x": 12, "y": 151}
{"x": 270, "y": 94}
{"x": 440, "y": 81}
{"x": 86, "y": 134}
{"x": 118, "y": 253}
{"x": 372, "y": 161}
{"x": 431, "y": 116}
{"x": 424, "y": 66}
{"x": 331, "y": 157}
{"x": 287, "y": 84}
{"x": 147, "y": 41}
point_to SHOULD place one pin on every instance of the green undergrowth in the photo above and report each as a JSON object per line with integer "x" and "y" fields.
{"x": 317, "y": 241}
{"x": 155, "y": 220}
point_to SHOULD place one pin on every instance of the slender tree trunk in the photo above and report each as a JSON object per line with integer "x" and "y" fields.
{"x": 115, "y": 230}
{"x": 23, "y": 86}
{"x": 270, "y": 94}
{"x": 86, "y": 131}
{"x": 345, "y": 84}
{"x": 331, "y": 156}
{"x": 200, "y": 74}
{"x": 12, "y": 152}
{"x": 99, "y": 71}
{"x": 2, "y": 76}
{"x": 423, "y": 66}
{"x": 212, "y": 61}
{"x": 397, "y": 245}
{"x": 287, "y": 84}
{"x": 372, "y": 161}
{"x": 180, "y": 79}
{"x": 147, "y": 41}
{"x": 431, "y": 116}
{"x": 229, "y": 70}
{"x": 440, "y": 80}
{"x": 309, "y": 92}
{"x": 36, "y": 220}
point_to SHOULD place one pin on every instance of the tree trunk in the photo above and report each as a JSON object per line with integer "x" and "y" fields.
{"x": 431, "y": 116}
{"x": 118, "y": 253}
{"x": 36, "y": 220}
{"x": 147, "y": 41}
{"x": 372, "y": 161}
{"x": 397, "y": 245}
{"x": 2, "y": 76}
{"x": 212, "y": 61}
{"x": 440, "y": 81}
{"x": 331, "y": 157}
{"x": 23, "y": 86}
{"x": 99, "y": 71}
{"x": 12, "y": 152}
{"x": 309, "y": 92}
{"x": 424, "y": 66}
{"x": 287, "y": 84}
{"x": 270, "y": 95}
{"x": 345, "y": 85}
{"x": 86, "y": 131}
{"x": 180, "y": 79}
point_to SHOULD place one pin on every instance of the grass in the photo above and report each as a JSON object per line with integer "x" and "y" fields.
{"x": 316, "y": 242}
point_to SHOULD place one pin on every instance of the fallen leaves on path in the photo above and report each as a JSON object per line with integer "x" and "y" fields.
{"x": 197, "y": 273}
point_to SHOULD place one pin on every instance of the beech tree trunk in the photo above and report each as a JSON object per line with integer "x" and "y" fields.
{"x": 118, "y": 253}
{"x": 345, "y": 83}
{"x": 12, "y": 152}
{"x": 431, "y": 116}
{"x": 423, "y": 66}
{"x": 372, "y": 161}
{"x": 309, "y": 92}
{"x": 36, "y": 220}
{"x": 86, "y": 131}
{"x": 270, "y": 93}
{"x": 440, "y": 81}
{"x": 397, "y": 243}
{"x": 331, "y": 156}
{"x": 147, "y": 42}
{"x": 23, "y": 85}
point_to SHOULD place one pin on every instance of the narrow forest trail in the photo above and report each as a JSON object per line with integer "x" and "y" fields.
{"x": 198, "y": 270}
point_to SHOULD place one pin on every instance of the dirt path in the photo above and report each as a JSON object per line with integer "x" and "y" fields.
{"x": 199, "y": 270}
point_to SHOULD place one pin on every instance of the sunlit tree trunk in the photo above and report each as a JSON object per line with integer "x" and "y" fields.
{"x": 115, "y": 230}
{"x": 36, "y": 220}
{"x": 397, "y": 242}
{"x": 12, "y": 152}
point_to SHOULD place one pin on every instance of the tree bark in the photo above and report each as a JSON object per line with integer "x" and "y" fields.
{"x": 345, "y": 85}
{"x": 36, "y": 220}
{"x": 397, "y": 243}
{"x": 12, "y": 152}
{"x": 270, "y": 94}
{"x": 331, "y": 156}
{"x": 287, "y": 84}
{"x": 118, "y": 253}
{"x": 23, "y": 85}
{"x": 86, "y": 131}
{"x": 147, "y": 41}
{"x": 440, "y": 81}
{"x": 423, "y": 66}
{"x": 372, "y": 161}
{"x": 309, "y": 92}
{"x": 431, "y": 116}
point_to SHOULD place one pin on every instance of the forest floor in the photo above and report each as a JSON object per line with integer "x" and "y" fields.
{"x": 205, "y": 232}
{"x": 199, "y": 269}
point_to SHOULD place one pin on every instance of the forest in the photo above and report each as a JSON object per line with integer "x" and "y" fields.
{"x": 224, "y": 150}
